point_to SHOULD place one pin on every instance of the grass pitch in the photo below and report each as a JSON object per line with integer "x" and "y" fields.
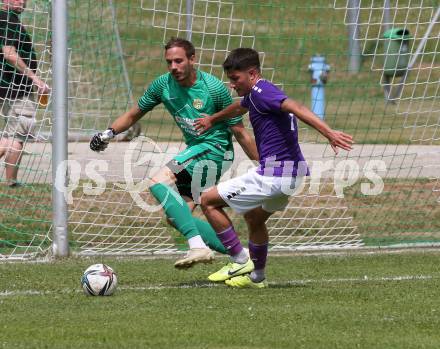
{"x": 321, "y": 301}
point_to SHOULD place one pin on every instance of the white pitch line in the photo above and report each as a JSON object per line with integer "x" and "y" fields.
{"x": 364, "y": 279}
{"x": 8, "y": 293}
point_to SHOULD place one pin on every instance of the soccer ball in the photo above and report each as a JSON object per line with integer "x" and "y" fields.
{"x": 99, "y": 280}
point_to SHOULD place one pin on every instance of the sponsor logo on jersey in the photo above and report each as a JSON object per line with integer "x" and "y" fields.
{"x": 198, "y": 103}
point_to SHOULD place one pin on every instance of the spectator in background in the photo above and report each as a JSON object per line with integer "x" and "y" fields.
{"x": 18, "y": 104}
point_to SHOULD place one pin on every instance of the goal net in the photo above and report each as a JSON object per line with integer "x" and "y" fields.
{"x": 381, "y": 81}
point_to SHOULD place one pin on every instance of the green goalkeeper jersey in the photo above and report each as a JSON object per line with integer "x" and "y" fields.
{"x": 208, "y": 95}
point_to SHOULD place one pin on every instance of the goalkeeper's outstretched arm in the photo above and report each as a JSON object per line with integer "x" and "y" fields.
{"x": 100, "y": 140}
{"x": 126, "y": 120}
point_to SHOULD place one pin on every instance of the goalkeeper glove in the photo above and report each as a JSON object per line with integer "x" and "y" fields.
{"x": 100, "y": 140}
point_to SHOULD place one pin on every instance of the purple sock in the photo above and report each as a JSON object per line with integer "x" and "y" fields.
{"x": 258, "y": 255}
{"x": 230, "y": 240}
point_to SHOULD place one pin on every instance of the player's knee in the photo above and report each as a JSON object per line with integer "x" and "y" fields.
{"x": 153, "y": 182}
{"x": 156, "y": 180}
{"x": 204, "y": 203}
{"x": 164, "y": 176}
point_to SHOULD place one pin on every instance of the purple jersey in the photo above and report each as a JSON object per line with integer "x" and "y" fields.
{"x": 276, "y": 132}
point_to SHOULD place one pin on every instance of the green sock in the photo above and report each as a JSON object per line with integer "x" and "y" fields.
{"x": 176, "y": 209}
{"x": 209, "y": 235}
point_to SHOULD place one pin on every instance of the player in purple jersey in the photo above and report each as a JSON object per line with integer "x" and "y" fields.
{"x": 266, "y": 189}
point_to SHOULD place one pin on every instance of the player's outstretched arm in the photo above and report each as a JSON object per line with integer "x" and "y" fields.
{"x": 204, "y": 124}
{"x": 99, "y": 141}
{"x": 337, "y": 139}
{"x": 246, "y": 141}
{"x": 126, "y": 120}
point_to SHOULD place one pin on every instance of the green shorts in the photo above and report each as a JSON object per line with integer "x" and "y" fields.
{"x": 200, "y": 167}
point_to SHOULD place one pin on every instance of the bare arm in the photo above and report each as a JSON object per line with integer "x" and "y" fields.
{"x": 100, "y": 141}
{"x": 245, "y": 140}
{"x": 337, "y": 139}
{"x": 13, "y": 58}
{"x": 130, "y": 117}
{"x": 231, "y": 111}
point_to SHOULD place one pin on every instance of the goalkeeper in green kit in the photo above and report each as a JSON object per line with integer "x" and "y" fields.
{"x": 187, "y": 93}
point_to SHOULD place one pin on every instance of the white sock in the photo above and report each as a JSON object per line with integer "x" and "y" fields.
{"x": 196, "y": 242}
{"x": 241, "y": 258}
{"x": 257, "y": 275}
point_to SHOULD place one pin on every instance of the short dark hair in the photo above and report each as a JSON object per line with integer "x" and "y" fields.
{"x": 185, "y": 44}
{"x": 242, "y": 59}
